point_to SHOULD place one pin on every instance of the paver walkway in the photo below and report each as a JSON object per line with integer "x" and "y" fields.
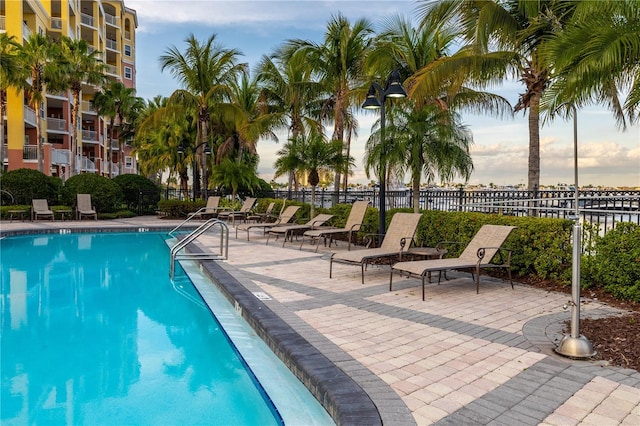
{"x": 458, "y": 358}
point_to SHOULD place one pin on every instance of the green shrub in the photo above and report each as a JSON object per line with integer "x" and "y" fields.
{"x": 179, "y": 208}
{"x": 106, "y": 195}
{"x": 140, "y": 194}
{"x": 615, "y": 266}
{"x": 27, "y": 184}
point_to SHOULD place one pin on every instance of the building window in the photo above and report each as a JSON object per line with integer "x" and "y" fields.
{"x": 127, "y": 73}
{"x": 127, "y": 50}
{"x": 128, "y": 162}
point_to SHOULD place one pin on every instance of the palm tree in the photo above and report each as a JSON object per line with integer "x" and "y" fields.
{"x": 598, "y": 58}
{"x": 288, "y": 89}
{"x": 233, "y": 175}
{"x": 38, "y": 56}
{"x": 120, "y": 105}
{"x": 429, "y": 141}
{"x": 11, "y": 75}
{"x": 338, "y": 62}
{"x": 204, "y": 70}
{"x": 80, "y": 66}
{"x": 289, "y": 160}
{"x": 319, "y": 155}
{"x": 245, "y": 119}
{"x": 501, "y": 38}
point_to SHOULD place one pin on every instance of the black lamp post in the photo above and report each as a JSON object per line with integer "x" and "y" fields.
{"x": 376, "y": 97}
{"x": 207, "y": 151}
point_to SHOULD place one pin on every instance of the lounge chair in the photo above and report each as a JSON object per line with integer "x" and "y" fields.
{"x": 288, "y": 231}
{"x": 354, "y": 222}
{"x": 266, "y": 216}
{"x": 40, "y": 209}
{"x": 211, "y": 209}
{"x": 397, "y": 240}
{"x": 84, "y": 207}
{"x": 286, "y": 217}
{"x": 238, "y": 214}
{"x": 478, "y": 254}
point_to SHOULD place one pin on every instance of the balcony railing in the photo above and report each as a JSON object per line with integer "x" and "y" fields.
{"x": 29, "y": 115}
{"x": 5, "y": 151}
{"x": 115, "y": 145}
{"x": 115, "y": 170}
{"x": 3, "y": 25}
{"x": 57, "y": 124}
{"x": 110, "y": 19}
{"x": 30, "y": 152}
{"x": 60, "y": 156}
{"x": 112, "y": 69}
{"x": 56, "y": 23}
{"x": 87, "y": 165}
{"x": 112, "y": 44}
{"x": 90, "y": 136}
{"x": 26, "y": 31}
{"x": 87, "y": 107}
{"x": 87, "y": 20}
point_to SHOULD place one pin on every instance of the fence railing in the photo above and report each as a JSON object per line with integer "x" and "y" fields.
{"x": 602, "y": 207}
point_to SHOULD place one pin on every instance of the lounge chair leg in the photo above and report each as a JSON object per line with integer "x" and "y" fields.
{"x": 423, "y": 288}
{"x": 477, "y": 280}
{"x": 390, "y": 279}
{"x": 330, "y": 265}
{"x": 510, "y": 280}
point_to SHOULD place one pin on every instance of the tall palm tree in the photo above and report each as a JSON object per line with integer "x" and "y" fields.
{"x": 203, "y": 70}
{"x": 120, "y": 104}
{"x": 288, "y": 89}
{"x": 246, "y": 119}
{"x": 598, "y": 58}
{"x": 338, "y": 62}
{"x": 38, "y": 55}
{"x": 11, "y": 75}
{"x": 501, "y": 38}
{"x": 80, "y": 65}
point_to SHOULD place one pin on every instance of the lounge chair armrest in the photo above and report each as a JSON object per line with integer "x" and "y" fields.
{"x": 500, "y": 254}
{"x": 369, "y": 239}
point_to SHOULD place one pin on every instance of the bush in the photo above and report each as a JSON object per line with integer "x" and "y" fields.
{"x": 106, "y": 195}
{"x": 27, "y": 184}
{"x": 140, "y": 194}
{"x": 179, "y": 208}
{"x": 615, "y": 266}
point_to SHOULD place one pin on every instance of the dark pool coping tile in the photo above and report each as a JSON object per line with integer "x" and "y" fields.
{"x": 339, "y": 394}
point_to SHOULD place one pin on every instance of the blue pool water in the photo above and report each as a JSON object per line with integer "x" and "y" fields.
{"x": 94, "y": 332}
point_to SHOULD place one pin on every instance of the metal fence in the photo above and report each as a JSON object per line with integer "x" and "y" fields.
{"x": 603, "y": 207}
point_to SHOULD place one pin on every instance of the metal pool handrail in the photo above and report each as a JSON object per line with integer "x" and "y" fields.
{"x": 180, "y": 245}
{"x": 188, "y": 219}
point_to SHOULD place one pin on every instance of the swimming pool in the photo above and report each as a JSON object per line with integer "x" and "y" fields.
{"x": 94, "y": 332}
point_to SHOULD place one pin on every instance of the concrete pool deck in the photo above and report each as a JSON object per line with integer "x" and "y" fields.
{"x": 458, "y": 358}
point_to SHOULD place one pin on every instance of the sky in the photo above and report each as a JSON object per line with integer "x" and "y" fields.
{"x": 606, "y": 155}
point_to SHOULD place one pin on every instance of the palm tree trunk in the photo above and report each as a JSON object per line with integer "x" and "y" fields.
{"x": 74, "y": 132}
{"x": 39, "y": 138}
{"x": 416, "y": 193}
{"x": 110, "y": 149}
{"x": 534, "y": 142}
{"x": 2, "y": 153}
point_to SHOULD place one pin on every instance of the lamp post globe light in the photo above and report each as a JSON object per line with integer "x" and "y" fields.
{"x": 207, "y": 151}
{"x": 376, "y": 97}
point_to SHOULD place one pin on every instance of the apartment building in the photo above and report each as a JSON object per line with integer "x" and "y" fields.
{"x": 108, "y": 27}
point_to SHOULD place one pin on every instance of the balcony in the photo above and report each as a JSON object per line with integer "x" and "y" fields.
{"x": 29, "y": 116}
{"x": 115, "y": 146}
{"x": 89, "y": 136}
{"x": 87, "y": 165}
{"x": 88, "y": 108}
{"x": 26, "y": 31}
{"x": 60, "y": 157}
{"x": 56, "y": 23}
{"x": 113, "y": 70}
{"x": 115, "y": 170}
{"x": 3, "y": 25}
{"x": 112, "y": 44}
{"x": 87, "y": 20}
{"x": 56, "y": 125}
{"x": 30, "y": 152}
{"x": 111, "y": 20}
